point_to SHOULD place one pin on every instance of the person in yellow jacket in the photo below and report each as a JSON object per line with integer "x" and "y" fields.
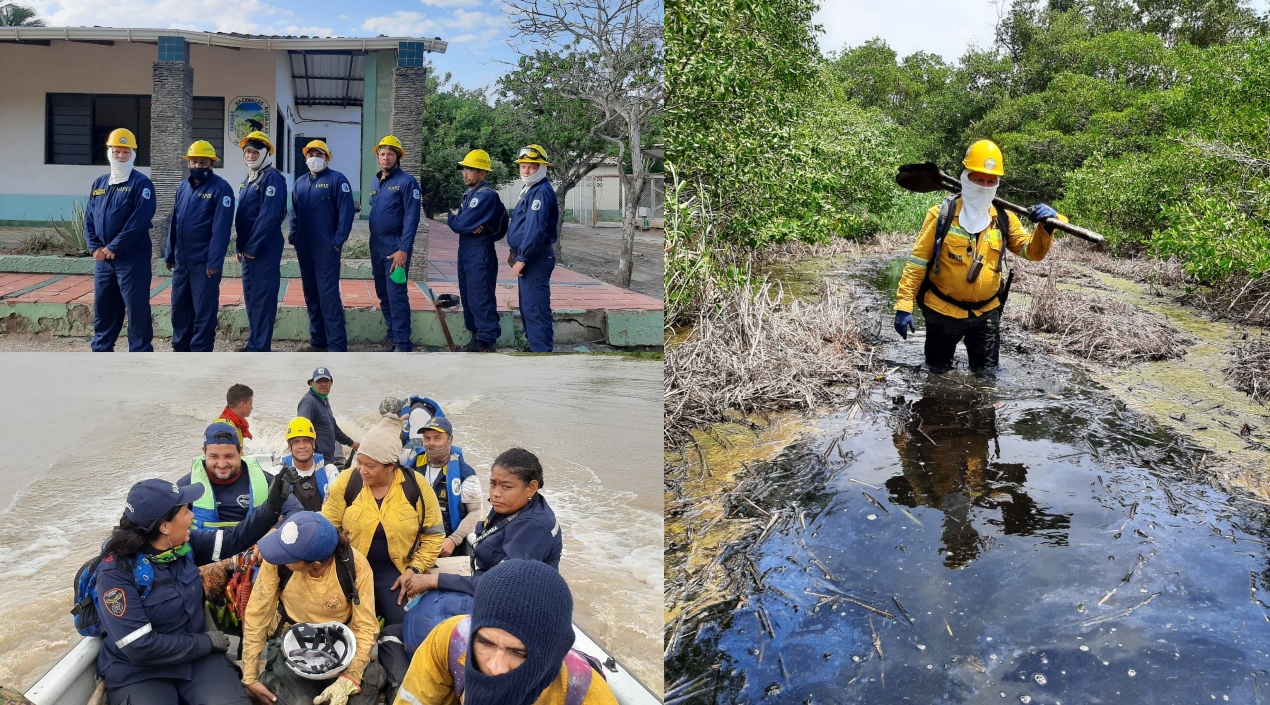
{"x": 514, "y": 649}
{"x": 391, "y": 515}
{"x": 310, "y": 567}
{"x": 960, "y": 288}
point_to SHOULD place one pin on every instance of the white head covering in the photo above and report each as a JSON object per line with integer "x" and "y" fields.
{"x": 975, "y": 200}
{"x": 120, "y": 171}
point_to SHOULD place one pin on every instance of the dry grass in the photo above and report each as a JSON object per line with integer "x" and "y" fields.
{"x": 758, "y": 351}
{"x": 794, "y": 251}
{"x": 1250, "y": 372}
{"x": 1100, "y": 328}
{"x": 1244, "y": 300}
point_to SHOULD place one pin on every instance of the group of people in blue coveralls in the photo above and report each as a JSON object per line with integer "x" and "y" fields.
{"x": 121, "y": 209}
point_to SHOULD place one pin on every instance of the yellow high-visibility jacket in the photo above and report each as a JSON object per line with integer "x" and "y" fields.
{"x": 956, "y": 255}
{"x": 399, "y": 517}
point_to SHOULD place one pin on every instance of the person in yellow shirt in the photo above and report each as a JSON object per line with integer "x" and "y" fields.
{"x": 312, "y": 575}
{"x": 957, "y": 279}
{"x": 514, "y": 649}
{"x": 389, "y": 518}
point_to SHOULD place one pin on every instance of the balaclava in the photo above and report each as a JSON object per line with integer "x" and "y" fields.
{"x": 975, "y": 200}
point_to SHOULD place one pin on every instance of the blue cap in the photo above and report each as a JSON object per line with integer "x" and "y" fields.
{"x": 221, "y": 433}
{"x": 321, "y": 373}
{"x": 438, "y": 423}
{"x": 304, "y": 536}
{"x": 153, "y": 499}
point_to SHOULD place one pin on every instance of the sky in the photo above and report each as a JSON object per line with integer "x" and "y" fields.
{"x": 478, "y": 31}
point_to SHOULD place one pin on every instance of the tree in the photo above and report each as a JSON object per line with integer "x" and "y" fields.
{"x": 614, "y": 63}
{"x": 17, "y": 16}
{"x": 537, "y": 113}
{"x": 456, "y": 120}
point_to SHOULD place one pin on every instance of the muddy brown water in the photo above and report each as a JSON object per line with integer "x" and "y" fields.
{"x": 1025, "y": 537}
{"x": 79, "y": 429}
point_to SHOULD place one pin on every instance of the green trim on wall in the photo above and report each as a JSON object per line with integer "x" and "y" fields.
{"x": 35, "y": 210}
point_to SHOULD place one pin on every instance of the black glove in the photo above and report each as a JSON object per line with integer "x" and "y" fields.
{"x": 220, "y": 642}
{"x": 279, "y": 491}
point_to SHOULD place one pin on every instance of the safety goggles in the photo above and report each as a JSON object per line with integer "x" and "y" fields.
{"x": 529, "y": 152}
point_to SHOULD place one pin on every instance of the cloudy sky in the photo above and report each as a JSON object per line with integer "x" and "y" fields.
{"x": 477, "y": 30}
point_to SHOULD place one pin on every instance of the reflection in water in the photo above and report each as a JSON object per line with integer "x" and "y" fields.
{"x": 950, "y": 455}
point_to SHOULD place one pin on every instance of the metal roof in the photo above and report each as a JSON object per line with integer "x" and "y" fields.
{"x": 221, "y": 39}
{"x": 328, "y": 77}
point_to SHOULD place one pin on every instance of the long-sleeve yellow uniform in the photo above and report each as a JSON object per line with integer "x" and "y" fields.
{"x": 401, "y": 520}
{"x": 958, "y": 252}
{"x": 428, "y": 681}
{"x": 312, "y": 600}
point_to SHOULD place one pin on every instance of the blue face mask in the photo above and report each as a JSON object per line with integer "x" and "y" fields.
{"x": 200, "y": 174}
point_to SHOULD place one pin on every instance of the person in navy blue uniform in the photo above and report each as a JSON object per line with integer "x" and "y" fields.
{"x": 262, "y": 205}
{"x": 477, "y": 224}
{"x": 394, "y": 218}
{"x": 520, "y": 525}
{"x": 198, "y": 237}
{"x": 157, "y": 650}
{"x": 117, "y": 222}
{"x": 530, "y": 237}
{"x": 321, "y": 218}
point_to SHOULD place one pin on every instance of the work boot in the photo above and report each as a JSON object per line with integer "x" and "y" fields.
{"x": 477, "y": 346}
{"x": 241, "y": 348}
{"x": 309, "y": 347}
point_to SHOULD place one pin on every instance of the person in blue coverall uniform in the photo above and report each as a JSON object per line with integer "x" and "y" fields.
{"x": 198, "y": 238}
{"x": 394, "y": 218}
{"x": 157, "y": 649}
{"x": 479, "y": 223}
{"x": 321, "y": 219}
{"x": 262, "y": 205}
{"x": 530, "y": 237}
{"x": 117, "y": 222}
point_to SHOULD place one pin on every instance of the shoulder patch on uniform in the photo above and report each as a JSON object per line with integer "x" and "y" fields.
{"x": 473, "y": 203}
{"x": 344, "y": 187}
{"x": 536, "y": 205}
{"x": 116, "y": 601}
{"x": 145, "y": 193}
{"x": 269, "y": 191}
{"x": 416, "y": 194}
{"x": 227, "y": 201}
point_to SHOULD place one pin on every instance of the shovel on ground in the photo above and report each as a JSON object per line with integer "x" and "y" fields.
{"x": 438, "y": 303}
{"x": 926, "y": 177}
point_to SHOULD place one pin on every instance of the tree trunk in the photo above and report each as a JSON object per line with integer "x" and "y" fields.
{"x": 561, "y": 192}
{"x": 634, "y": 186}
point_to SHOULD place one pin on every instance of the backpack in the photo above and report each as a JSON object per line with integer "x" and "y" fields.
{"x": 943, "y": 223}
{"x": 580, "y": 666}
{"x": 413, "y": 494}
{"x": 345, "y": 572}
{"x": 504, "y": 222}
{"x": 87, "y": 619}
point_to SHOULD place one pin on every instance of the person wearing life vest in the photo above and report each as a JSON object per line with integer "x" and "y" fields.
{"x": 198, "y": 237}
{"x": 309, "y": 470}
{"x": 312, "y": 554}
{"x": 960, "y": 288}
{"x": 321, "y": 218}
{"x": 529, "y": 237}
{"x": 478, "y": 226}
{"x": 157, "y": 648}
{"x": 394, "y": 220}
{"x": 236, "y": 487}
{"x": 520, "y": 525}
{"x": 455, "y": 483}
{"x": 514, "y": 648}
{"x": 238, "y": 406}
{"x": 316, "y": 407}
{"x": 262, "y": 206}
{"x": 117, "y": 221}
{"x": 392, "y": 516}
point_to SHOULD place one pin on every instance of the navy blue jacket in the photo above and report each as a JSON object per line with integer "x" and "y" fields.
{"x": 321, "y": 210}
{"x": 480, "y": 206}
{"x": 394, "y": 208}
{"x": 198, "y": 236}
{"x": 534, "y": 534}
{"x": 318, "y": 410}
{"x": 262, "y": 204}
{"x": 159, "y": 636}
{"x": 119, "y": 217}
{"x": 533, "y": 226}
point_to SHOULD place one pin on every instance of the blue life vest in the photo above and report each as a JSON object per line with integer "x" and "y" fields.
{"x": 450, "y": 481}
{"x": 324, "y": 477}
{"x": 414, "y": 400}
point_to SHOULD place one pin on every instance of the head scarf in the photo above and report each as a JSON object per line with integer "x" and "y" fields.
{"x": 975, "y": 201}
{"x": 120, "y": 171}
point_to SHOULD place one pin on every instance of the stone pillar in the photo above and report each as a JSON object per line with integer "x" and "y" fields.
{"x": 406, "y": 124}
{"x": 171, "y": 129}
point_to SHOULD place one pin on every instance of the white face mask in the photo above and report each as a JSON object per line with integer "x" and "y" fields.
{"x": 536, "y": 176}
{"x": 315, "y": 164}
{"x": 975, "y": 200}
{"x": 120, "y": 171}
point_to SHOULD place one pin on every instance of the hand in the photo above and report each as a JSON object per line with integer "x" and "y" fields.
{"x": 168, "y": 265}
{"x": 412, "y": 583}
{"x": 220, "y": 642}
{"x": 239, "y": 257}
{"x": 336, "y": 248}
{"x": 511, "y": 259}
{"x": 212, "y": 272}
{"x": 279, "y": 491}
{"x": 355, "y": 446}
{"x": 479, "y": 229}
{"x": 337, "y": 692}
{"x": 1040, "y": 212}
{"x": 904, "y": 323}
{"x": 518, "y": 268}
{"x": 262, "y": 693}
{"x": 447, "y": 547}
{"x": 398, "y": 260}
{"x": 247, "y": 256}
{"x": 105, "y": 251}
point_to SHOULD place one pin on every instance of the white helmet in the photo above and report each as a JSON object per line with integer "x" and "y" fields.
{"x": 319, "y": 651}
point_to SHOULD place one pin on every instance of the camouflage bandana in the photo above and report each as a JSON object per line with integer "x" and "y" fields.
{"x": 172, "y": 554}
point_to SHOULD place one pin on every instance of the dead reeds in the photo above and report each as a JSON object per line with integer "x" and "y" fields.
{"x": 1250, "y": 372}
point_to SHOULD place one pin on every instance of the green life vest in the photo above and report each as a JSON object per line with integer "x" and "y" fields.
{"x": 205, "y": 514}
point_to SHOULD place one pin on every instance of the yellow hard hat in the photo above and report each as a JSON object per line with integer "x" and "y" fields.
{"x": 122, "y": 137}
{"x": 318, "y": 144}
{"x": 476, "y": 159}
{"x": 301, "y": 427}
{"x": 201, "y": 149}
{"x": 256, "y": 135}
{"x": 533, "y": 154}
{"x": 392, "y": 143}
{"x": 985, "y": 157}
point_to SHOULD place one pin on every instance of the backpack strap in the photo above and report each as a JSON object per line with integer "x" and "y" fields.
{"x": 459, "y": 638}
{"x": 947, "y": 210}
{"x": 353, "y": 489}
{"x": 579, "y": 679}
{"x": 346, "y": 571}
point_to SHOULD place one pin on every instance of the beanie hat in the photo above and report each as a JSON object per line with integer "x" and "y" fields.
{"x": 383, "y": 442}
{"x": 529, "y": 600}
